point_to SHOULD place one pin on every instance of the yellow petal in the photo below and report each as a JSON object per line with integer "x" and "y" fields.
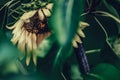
{"x": 41, "y": 15}
{"x": 16, "y": 37}
{"x": 83, "y": 25}
{"x": 80, "y": 32}
{"x": 74, "y": 43}
{"x": 12, "y": 27}
{"x": 18, "y": 26}
{"x": 21, "y": 44}
{"x": 29, "y": 47}
{"x": 27, "y": 20}
{"x": 34, "y": 45}
{"x": 77, "y": 39}
{"x": 49, "y": 6}
{"x": 46, "y": 12}
{"x": 34, "y": 42}
{"x": 28, "y": 15}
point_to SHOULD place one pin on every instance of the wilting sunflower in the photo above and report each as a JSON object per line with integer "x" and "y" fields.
{"x": 30, "y": 30}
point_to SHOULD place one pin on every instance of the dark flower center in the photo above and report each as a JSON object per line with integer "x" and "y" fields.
{"x": 35, "y": 25}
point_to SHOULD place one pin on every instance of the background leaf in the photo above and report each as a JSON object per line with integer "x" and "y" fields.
{"x": 107, "y": 71}
{"x": 64, "y": 20}
{"x": 45, "y": 46}
{"x": 7, "y": 50}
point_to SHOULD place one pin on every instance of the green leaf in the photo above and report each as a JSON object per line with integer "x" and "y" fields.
{"x": 64, "y": 23}
{"x": 92, "y": 76}
{"x": 10, "y": 67}
{"x": 111, "y": 9}
{"x": 107, "y": 71}
{"x": 8, "y": 51}
{"x": 64, "y": 20}
{"x": 62, "y": 55}
{"x": 75, "y": 73}
{"x": 45, "y": 46}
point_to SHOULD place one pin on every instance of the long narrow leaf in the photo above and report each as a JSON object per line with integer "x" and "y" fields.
{"x": 65, "y": 19}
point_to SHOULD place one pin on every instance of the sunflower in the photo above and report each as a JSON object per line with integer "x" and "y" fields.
{"x": 30, "y": 30}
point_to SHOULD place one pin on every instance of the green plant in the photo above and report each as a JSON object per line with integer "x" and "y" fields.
{"x": 54, "y": 39}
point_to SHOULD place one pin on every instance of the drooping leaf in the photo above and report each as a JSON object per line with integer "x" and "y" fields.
{"x": 64, "y": 23}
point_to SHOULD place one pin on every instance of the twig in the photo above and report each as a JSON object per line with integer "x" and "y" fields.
{"x": 63, "y": 76}
{"x": 102, "y": 27}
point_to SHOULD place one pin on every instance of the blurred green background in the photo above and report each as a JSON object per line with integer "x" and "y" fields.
{"x": 103, "y": 61}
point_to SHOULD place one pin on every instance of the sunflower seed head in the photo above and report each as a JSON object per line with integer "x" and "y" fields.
{"x": 28, "y": 41}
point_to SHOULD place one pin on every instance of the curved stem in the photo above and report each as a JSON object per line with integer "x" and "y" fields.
{"x": 14, "y": 10}
{"x": 63, "y": 76}
{"x": 92, "y": 51}
{"x": 103, "y": 13}
{"x": 14, "y": 4}
{"x": 102, "y": 27}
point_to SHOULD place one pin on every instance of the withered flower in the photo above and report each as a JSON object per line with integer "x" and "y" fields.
{"x": 30, "y": 30}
